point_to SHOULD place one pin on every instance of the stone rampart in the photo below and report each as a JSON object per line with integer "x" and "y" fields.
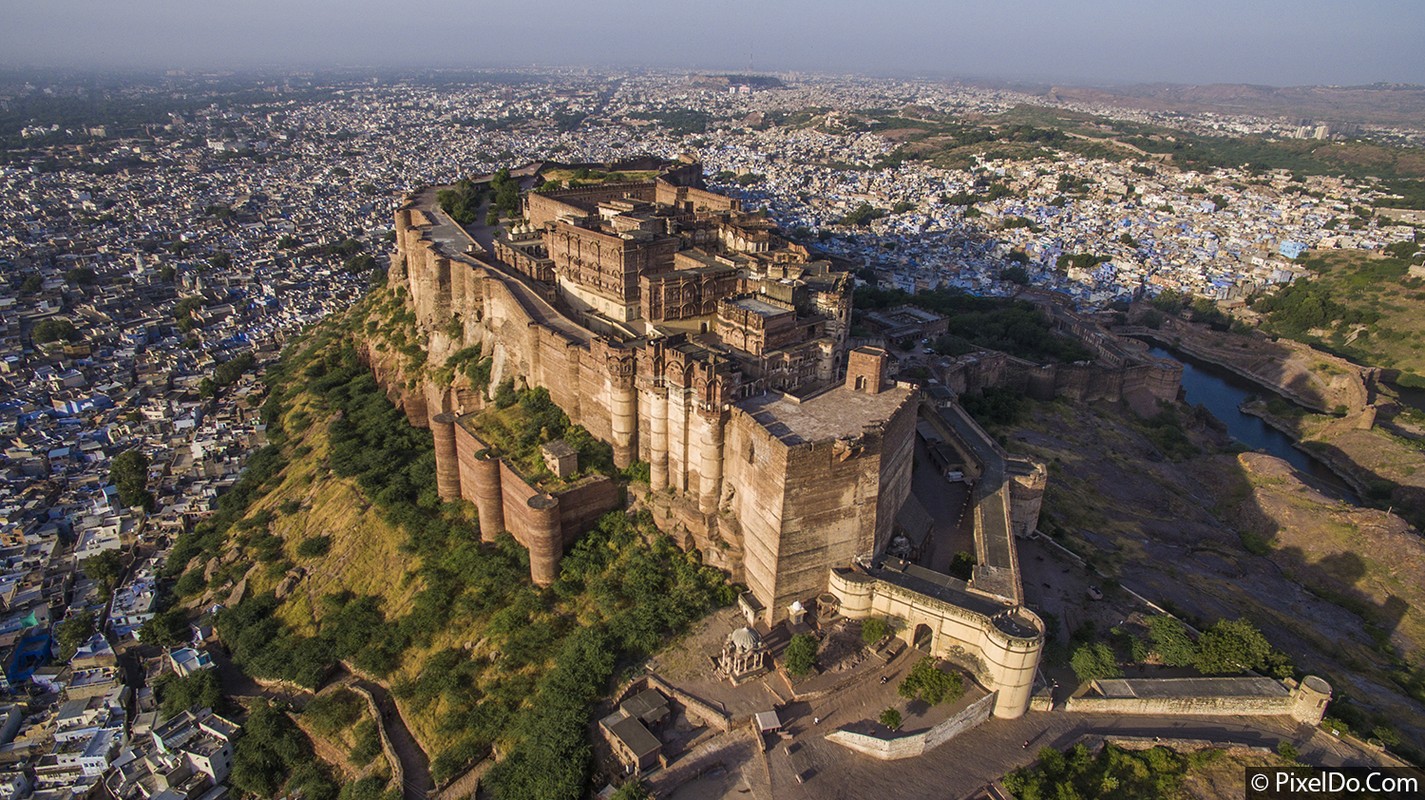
{"x": 1000, "y": 644}
{"x": 398, "y": 772}
{"x": 1113, "y": 383}
{"x": 696, "y": 708}
{"x": 1247, "y": 696}
{"x": 545, "y": 523}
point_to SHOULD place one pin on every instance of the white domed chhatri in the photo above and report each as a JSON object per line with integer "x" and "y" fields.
{"x": 745, "y": 639}
{"x": 743, "y": 655}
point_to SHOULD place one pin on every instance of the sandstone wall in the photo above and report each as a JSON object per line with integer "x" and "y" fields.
{"x": 916, "y": 744}
{"x": 1305, "y": 702}
{"x": 546, "y": 207}
{"x": 1112, "y": 382}
{"x": 1001, "y": 661}
{"x": 660, "y": 402}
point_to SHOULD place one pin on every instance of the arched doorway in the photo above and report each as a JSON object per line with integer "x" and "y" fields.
{"x": 922, "y": 637}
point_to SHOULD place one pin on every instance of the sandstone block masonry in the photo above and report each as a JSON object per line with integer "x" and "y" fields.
{"x": 544, "y": 522}
{"x": 1245, "y": 696}
{"x": 775, "y": 488}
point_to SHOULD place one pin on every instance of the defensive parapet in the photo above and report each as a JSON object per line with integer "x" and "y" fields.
{"x": 999, "y": 644}
{"x": 1254, "y": 695}
{"x": 447, "y": 467}
{"x": 545, "y": 522}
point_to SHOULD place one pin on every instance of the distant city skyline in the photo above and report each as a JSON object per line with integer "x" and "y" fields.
{"x": 1114, "y": 42}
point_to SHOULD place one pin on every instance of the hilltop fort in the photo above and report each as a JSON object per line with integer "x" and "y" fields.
{"x": 689, "y": 335}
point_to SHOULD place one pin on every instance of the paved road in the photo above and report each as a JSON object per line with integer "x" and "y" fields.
{"x": 978, "y": 757}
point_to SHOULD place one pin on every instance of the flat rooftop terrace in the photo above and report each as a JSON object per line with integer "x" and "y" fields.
{"x": 837, "y": 413}
{"x": 760, "y": 307}
{"x": 1124, "y": 688}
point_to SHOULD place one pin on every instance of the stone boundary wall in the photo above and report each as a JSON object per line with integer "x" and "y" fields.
{"x": 1080, "y": 382}
{"x": 1183, "y": 706}
{"x": 703, "y": 711}
{"x": 282, "y": 686}
{"x": 916, "y": 744}
{"x": 1304, "y": 702}
{"x": 398, "y": 773}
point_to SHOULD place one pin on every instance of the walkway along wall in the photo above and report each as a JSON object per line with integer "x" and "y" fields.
{"x": 1245, "y": 696}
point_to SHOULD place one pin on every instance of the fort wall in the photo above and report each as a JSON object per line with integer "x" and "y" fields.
{"x": 545, "y": 523}
{"x": 1305, "y": 702}
{"x": 915, "y": 744}
{"x": 1000, "y": 645}
{"x": 972, "y": 374}
{"x": 777, "y": 518}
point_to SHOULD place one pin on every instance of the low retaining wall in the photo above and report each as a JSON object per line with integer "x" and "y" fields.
{"x": 916, "y": 744}
{"x": 703, "y": 711}
{"x": 398, "y": 773}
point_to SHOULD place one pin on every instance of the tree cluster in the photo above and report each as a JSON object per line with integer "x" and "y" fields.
{"x": 54, "y": 329}
{"x": 128, "y": 472}
{"x": 273, "y": 757}
{"x": 927, "y": 682}
{"x": 73, "y": 632}
{"x": 800, "y": 656}
{"x": 506, "y": 202}
{"x": 1112, "y": 774}
{"x": 462, "y": 201}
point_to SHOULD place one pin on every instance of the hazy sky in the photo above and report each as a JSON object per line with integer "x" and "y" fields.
{"x": 1280, "y": 42}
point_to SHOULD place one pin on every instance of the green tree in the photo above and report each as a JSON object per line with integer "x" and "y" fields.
{"x": 32, "y": 284}
{"x": 202, "y": 689}
{"x": 1015, "y": 275}
{"x": 167, "y": 628}
{"x": 1094, "y": 661}
{"x": 1171, "y": 641}
{"x": 54, "y": 330}
{"x": 874, "y": 629}
{"x": 891, "y": 718}
{"x": 314, "y": 546}
{"x": 1231, "y": 646}
{"x": 633, "y": 790}
{"x": 505, "y": 394}
{"x": 81, "y": 276}
{"x": 105, "y": 569}
{"x": 129, "y": 474}
{"x": 801, "y": 654}
{"x": 74, "y": 632}
{"x": 273, "y": 755}
{"x": 926, "y": 682}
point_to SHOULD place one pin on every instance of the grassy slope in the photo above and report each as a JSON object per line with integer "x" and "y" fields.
{"x": 365, "y": 556}
{"x": 1366, "y": 281}
{"x": 481, "y": 656}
